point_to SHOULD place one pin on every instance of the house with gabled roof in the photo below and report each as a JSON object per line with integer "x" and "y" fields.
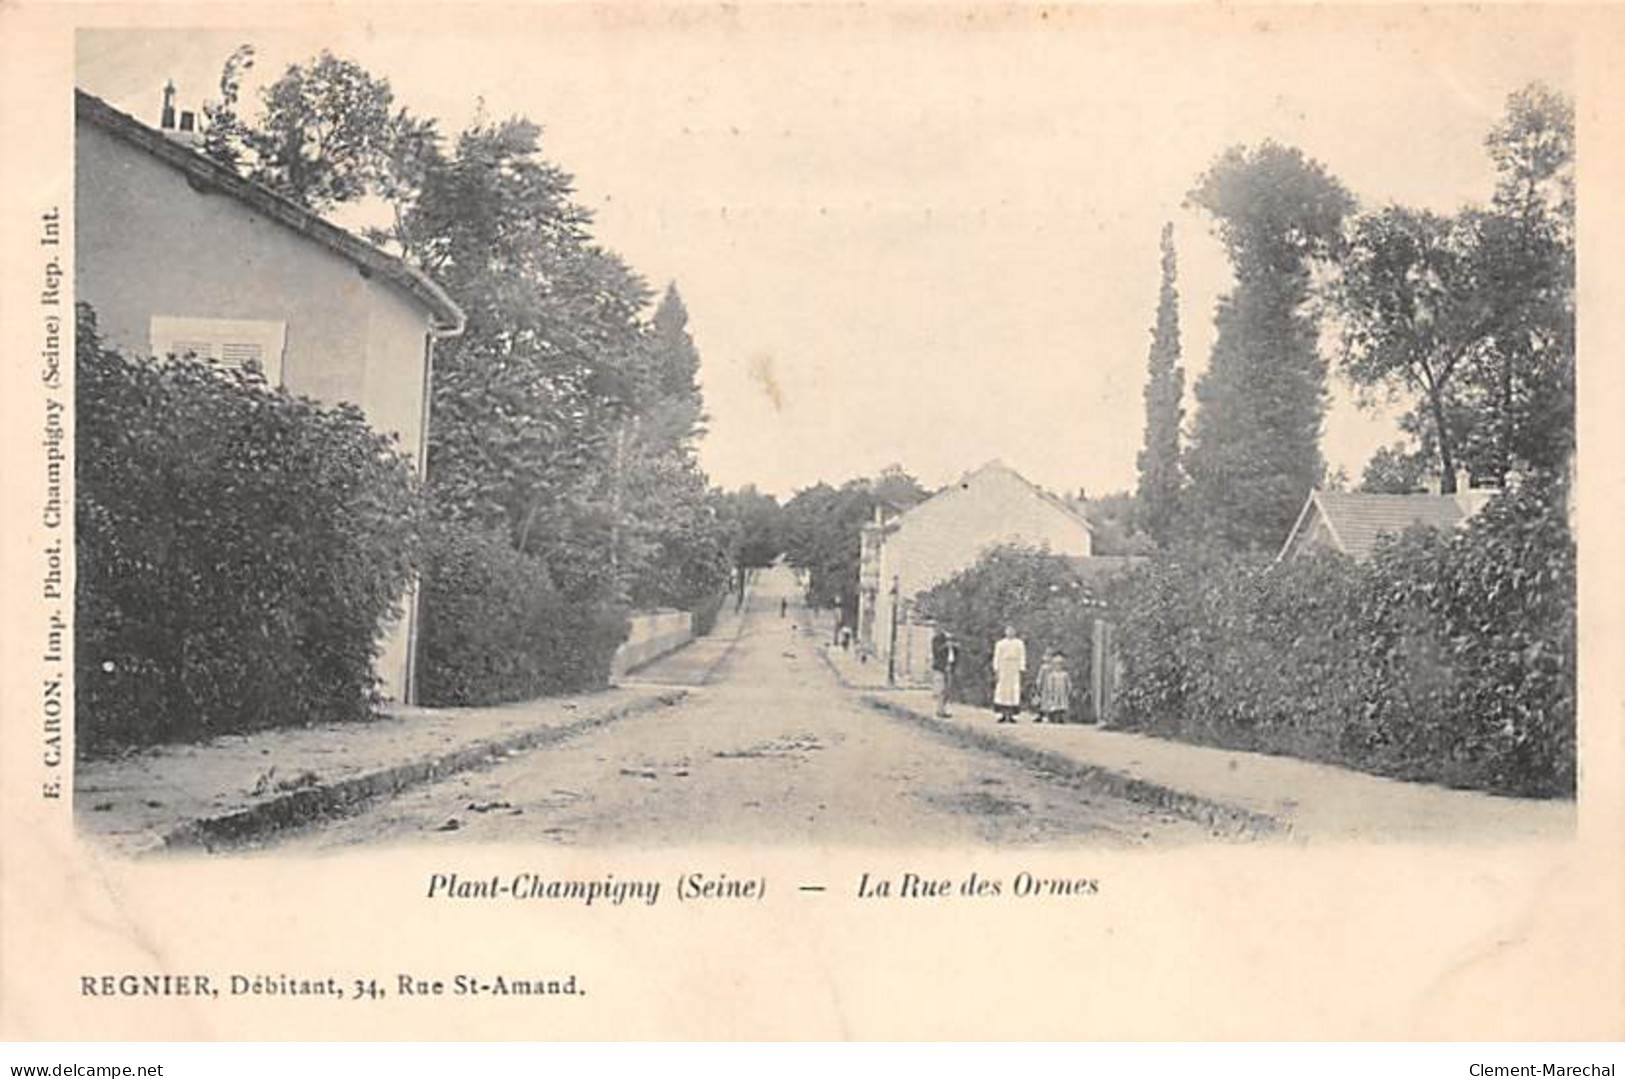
{"x": 1351, "y": 522}
{"x": 179, "y": 255}
{"x": 905, "y": 554}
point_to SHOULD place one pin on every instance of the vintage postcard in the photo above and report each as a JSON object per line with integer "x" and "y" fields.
{"x": 817, "y": 521}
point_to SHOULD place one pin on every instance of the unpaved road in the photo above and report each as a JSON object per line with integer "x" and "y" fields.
{"x": 769, "y": 749}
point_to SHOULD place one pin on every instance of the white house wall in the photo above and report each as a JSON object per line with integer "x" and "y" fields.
{"x": 949, "y": 533}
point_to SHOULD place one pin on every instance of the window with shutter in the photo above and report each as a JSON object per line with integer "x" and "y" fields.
{"x": 243, "y": 344}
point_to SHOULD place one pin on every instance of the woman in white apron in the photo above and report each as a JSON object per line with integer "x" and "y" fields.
{"x": 1009, "y": 661}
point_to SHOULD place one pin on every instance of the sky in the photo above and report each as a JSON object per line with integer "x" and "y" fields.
{"x": 927, "y": 235}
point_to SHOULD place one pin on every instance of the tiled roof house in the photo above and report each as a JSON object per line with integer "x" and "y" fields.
{"x": 1351, "y": 522}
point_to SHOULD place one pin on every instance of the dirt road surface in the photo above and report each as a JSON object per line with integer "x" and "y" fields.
{"x": 768, "y": 749}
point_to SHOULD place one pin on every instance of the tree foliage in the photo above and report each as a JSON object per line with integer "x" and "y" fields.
{"x": 1414, "y": 316}
{"x": 1471, "y": 317}
{"x": 1395, "y": 470}
{"x": 757, "y": 530}
{"x": 496, "y": 629}
{"x": 1255, "y": 448}
{"x": 1447, "y": 658}
{"x": 1160, "y": 477}
{"x": 1037, "y": 592}
{"x": 564, "y": 417}
{"x": 327, "y": 132}
{"x": 823, "y": 528}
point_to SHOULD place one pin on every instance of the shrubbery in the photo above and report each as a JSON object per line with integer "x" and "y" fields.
{"x": 1037, "y": 592}
{"x": 1444, "y": 658}
{"x": 238, "y": 551}
{"x": 1447, "y": 658}
{"x": 494, "y": 628}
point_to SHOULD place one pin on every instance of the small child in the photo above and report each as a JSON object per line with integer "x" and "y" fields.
{"x": 1040, "y": 678}
{"x": 1054, "y": 688}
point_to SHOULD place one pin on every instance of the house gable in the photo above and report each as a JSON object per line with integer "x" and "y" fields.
{"x": 1353, "y": 521}
{"x": 990, "y": 507}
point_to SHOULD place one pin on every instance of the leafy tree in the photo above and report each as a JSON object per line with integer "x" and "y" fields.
{"x": 897, "y": 488}
{"x": 1395, "y": 470}
{"x": 675, "y": 412}
{"x": 756, "y": 527}
{"x": 1160, "y": 478}
{"x": 1414, "y": 316}
{"x": 563, "y": 417}
{"x": 528, "y": 401}
{"x": 823, "y": 537}
{"x": 1255, "y": 448}
{"x": 1114, "y": 523}
{"x": 328, "y": 133}
{"x": 1473, "y": 315}
{"x": 1528, "y": 271}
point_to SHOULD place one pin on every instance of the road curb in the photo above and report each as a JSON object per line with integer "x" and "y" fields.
{"x": 333, "y": 799}
{"x": 825, "y": 653}
{"x": 1227, "y": 819}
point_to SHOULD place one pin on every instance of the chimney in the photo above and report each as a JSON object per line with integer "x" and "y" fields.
{"x": 1469, "y": 498}
{"x": 185, "y": 132}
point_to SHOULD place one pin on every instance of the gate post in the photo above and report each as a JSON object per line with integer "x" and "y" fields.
{"x": 1103, "y": 670}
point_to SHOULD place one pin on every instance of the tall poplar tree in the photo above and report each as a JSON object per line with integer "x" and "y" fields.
{"x": 1160, "y": 476}
{"x": 1255, "y": 447}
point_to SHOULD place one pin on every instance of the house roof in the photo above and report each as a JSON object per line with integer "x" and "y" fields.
{"x": 997, "y": 465}
{"x": 1356, "y": 519}
{"x": 204, "y": 173}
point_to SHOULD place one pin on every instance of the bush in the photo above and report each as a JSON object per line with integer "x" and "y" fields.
{"x": 239, "y": 550}
{"x": 494, "y": 628}
{"x": 1037, "y": 592}
{"x": 1445, "y": 658}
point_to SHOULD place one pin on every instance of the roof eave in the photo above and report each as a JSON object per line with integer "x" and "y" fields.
{"x": 446, "y": 317}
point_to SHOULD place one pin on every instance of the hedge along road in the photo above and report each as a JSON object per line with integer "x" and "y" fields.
{"x": 769, "y": 750}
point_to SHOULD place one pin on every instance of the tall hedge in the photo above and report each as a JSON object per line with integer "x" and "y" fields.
{"x": 1448, "y": 658}
{"x": 239, "y": 551}
{"x": 495, "y": 629}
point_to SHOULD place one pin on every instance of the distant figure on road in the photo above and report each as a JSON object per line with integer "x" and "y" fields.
{"x": 1054, "y": 689}
{"x": 784, "y": 605}
{"x": 1009, "y": 662}
{"x": 944, "y": 655}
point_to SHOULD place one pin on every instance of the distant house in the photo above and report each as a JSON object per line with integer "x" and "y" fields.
{"x": 908, "y": 553}
{"x": 180, "y": 255}
{"x": 1351, "y": 522}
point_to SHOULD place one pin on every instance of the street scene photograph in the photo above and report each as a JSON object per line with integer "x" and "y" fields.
{"x": 939, "y": 427}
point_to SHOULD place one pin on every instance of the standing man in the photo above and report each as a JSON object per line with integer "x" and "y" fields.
{"x": 1009, "y": 661}
{"x": 944, "y": 654}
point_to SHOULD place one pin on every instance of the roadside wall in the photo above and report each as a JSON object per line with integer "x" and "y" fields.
{"x": 653, "y": 634}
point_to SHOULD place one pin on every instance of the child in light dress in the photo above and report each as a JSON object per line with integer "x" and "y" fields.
{"x": 1054, "y": 689}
